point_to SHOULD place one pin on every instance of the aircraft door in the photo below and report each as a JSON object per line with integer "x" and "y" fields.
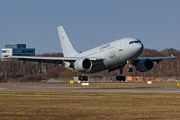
{"x": 120, "y": 49}
{"x": 121, "y": 45}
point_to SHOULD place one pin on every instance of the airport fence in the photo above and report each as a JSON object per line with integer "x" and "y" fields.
{"x": 96, "y": 79}
{"x": 101, "y": 79}
{"x": 113, "y": 79}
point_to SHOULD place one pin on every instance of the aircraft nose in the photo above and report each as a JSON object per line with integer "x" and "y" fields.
{"x": 139, "y": 48}
{"x": 135, "y": 50}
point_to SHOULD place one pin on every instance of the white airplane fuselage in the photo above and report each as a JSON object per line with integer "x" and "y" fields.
{"x": 114, "y": 53}
{"x": 111, "y": 56}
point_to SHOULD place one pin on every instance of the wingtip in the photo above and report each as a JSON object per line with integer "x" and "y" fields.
{"x": 173, "y": 56}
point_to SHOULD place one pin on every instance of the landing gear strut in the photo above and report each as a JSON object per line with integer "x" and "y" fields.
{"x": 83, "y": 78}
{"x": 130, "y": 69}
{"x": 121, "y": 78}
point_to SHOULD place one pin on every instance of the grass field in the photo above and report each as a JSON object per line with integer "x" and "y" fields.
{"x": 88, "y": 106}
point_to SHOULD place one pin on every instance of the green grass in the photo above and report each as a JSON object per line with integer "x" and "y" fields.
{"x": 88, "y": 106}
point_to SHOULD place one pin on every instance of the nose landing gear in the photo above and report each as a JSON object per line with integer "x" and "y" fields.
{"x": 130, "y": 69}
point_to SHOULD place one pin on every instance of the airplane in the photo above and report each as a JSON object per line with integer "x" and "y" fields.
{"x": 111, "y": 56}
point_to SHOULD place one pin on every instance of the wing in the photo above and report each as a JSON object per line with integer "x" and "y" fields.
{"x": 54, "y": 60}
{"x": 155, "y": 59}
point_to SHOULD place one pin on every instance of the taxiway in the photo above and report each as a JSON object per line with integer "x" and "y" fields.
{"x": 53, "y": 87}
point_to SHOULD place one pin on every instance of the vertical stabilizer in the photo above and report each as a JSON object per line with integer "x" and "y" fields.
{"x": 66, "y": 45}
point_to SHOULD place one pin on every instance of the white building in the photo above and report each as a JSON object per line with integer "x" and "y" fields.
{"x": 17, "y": 50}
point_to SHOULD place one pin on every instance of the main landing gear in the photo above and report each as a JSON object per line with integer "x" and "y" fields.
{"x": 121, "y": 78}
{"x": 83, "y": 78}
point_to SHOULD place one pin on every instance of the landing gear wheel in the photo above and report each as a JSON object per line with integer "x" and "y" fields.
{"x": 130, "y": 69}
{"x": 83, "y": 78}
{"x": 80, "y": 78}
{"x": 120, "y": 78}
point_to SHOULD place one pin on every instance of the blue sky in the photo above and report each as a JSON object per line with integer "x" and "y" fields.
{"x": 89, "y": 23}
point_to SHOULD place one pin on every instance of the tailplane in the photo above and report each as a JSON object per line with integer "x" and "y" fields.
{"x": 67, "y": 48}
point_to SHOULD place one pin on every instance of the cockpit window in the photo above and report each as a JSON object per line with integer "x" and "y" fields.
{"x": 138, "y": 41}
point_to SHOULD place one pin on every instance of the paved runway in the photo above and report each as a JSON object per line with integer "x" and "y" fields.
{"x": 53, "y": 88}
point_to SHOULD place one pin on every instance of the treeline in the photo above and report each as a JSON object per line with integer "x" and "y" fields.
{"x": 12, "y": 69}
{"x": 168, "y": 67}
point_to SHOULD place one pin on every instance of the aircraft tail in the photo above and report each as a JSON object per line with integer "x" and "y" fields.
{"x": 67, "y": 48}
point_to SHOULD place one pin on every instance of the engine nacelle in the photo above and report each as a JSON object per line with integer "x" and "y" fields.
{"x": 82, "y": 65}
{"x": 144, "y": 65}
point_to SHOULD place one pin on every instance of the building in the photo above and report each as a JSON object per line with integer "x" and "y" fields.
{"x": 17, "y": 50}
{"x": 134, "y": 78}
{"x": 141, "y": 79}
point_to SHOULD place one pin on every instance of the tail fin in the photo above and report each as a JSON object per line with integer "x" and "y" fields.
{"x": 66, "y": 45}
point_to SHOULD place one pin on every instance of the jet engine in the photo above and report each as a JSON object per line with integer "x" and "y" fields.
{"x": 144, "y": 65}
{"x": 82, "y": 65}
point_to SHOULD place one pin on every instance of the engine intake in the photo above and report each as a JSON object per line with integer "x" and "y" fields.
{"x": 144, "y": 65}
{"x": 82, "y": 65}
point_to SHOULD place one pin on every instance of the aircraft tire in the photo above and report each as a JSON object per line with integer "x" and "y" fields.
{"x": 83, "y": 78}
{"x": 117, "y": 78}
{"x": 130, "y": 69}
{"x": 80, "y": 78}
{"x": 120, "y": 78}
